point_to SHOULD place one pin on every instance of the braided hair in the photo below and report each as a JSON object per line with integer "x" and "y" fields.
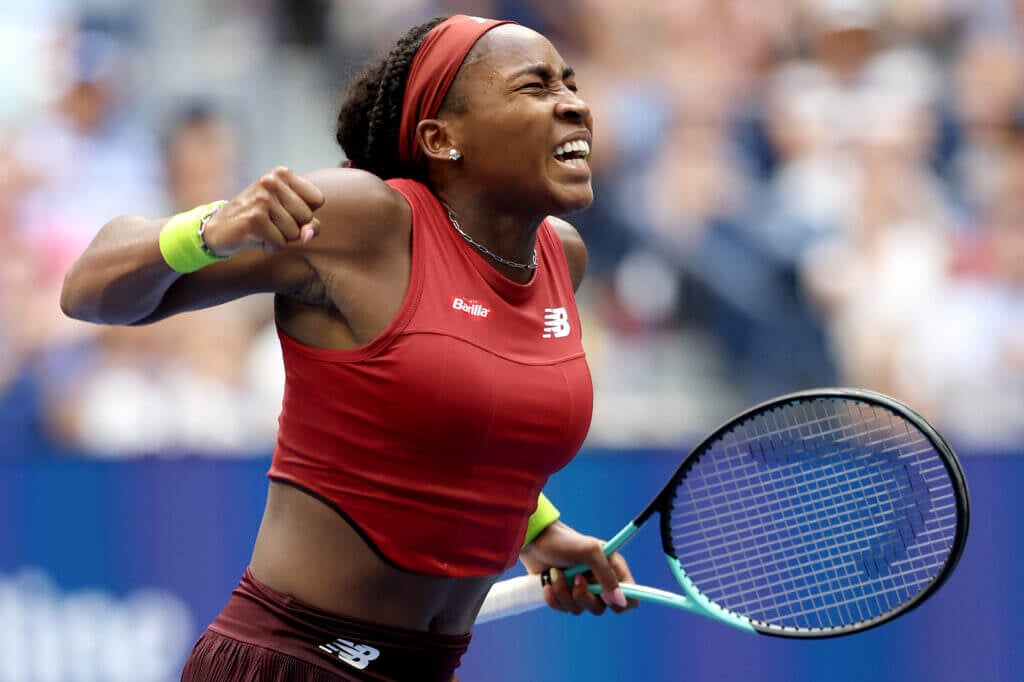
{"x": 369, "y": 119}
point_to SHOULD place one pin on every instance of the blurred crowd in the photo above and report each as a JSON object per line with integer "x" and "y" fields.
{"x": 790, "y": 194}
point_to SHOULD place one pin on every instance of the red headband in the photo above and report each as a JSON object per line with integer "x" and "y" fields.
{"x": 433, "y": 69}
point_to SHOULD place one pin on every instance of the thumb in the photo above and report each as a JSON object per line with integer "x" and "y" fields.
{"x": 310, "y": 230}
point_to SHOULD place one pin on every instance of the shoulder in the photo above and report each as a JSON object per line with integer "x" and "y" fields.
{"x": 361, "y": 212}
{"x": 575, "y": 249}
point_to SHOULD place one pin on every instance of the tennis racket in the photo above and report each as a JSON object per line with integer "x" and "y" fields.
{"x": 815, "y": 514}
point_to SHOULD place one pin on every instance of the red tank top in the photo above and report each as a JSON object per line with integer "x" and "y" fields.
{"x": 435, "y": 439}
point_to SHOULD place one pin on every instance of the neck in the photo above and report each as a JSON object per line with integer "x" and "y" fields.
{"x": 505, "y": 234}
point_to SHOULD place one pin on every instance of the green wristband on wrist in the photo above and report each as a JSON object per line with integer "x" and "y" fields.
{"x": 181, "y": 239}
{"x": 545, "y": 515}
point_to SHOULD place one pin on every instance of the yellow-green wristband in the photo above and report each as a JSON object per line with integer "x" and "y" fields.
{"x": 545, "y": 515}
{"x": 181, "y": 242}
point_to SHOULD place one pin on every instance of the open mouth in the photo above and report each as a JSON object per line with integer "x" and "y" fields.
{"x": 573, "y": 154}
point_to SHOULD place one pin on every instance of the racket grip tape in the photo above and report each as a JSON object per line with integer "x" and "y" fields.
{"x": 511, "y": 597}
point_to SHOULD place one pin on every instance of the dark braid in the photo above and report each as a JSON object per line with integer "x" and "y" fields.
{"x": 371, "y": 115}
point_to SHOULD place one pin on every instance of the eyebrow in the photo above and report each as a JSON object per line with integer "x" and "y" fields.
{"x": 542, "y": 70}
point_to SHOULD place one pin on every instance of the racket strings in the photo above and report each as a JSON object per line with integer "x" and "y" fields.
{"x": 742, "y": 580}
{"x": 830, "y": 571}
{"x": 743, "y": 515}
{"x": 740, "y": 574}
{"x": 815, "y": 515}
{"x": 833, "y": 571}
{"x": 841, "y": 520}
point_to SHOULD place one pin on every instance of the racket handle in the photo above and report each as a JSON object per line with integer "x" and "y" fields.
{"x": 511, "y": 597}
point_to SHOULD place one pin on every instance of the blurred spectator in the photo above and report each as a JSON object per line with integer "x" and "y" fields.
{"x": 37, "y": 343}
{"x": 843, "y": 35}
{"x": 25, "y": 29}
{"x": 988, "y": 104}
{"x": 201, "y": 158}
{"x": 964, "y": 361}
{"x": 887, "y": 260}
{"x": 934, "y": 23}
{"x": 359, "y": 28}
{"x": 19, "y": 402}
{"x": 788, "y": 193}
{"x": 91, "y": 142}
{"x": 203, "y": 383}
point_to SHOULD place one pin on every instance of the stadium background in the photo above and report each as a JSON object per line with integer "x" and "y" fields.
{"x": 791, "y": 193}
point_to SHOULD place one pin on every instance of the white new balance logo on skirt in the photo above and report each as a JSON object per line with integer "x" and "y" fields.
{"x": 556, "y": 323}
{"x": 356, "y": 655}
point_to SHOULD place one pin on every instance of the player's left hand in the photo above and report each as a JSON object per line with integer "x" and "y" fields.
{"x": 559, "y": 546}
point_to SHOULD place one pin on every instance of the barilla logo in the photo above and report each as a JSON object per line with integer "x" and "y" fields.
{"x": 468, "y": 306}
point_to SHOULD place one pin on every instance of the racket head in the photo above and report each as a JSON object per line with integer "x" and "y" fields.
{"x": 817, "y": 514}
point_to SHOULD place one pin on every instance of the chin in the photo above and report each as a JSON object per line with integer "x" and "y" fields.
{"x": 578, "y": 199}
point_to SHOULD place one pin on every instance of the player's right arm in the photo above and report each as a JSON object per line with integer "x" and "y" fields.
{"x": 268, "y": 231}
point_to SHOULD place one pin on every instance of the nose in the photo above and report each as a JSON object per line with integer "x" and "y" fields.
{"x": 572, "y": 107}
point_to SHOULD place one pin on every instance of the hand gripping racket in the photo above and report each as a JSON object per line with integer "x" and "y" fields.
{"x": 815, "y": 514}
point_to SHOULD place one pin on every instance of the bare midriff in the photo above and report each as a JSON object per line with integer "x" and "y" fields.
{"x": 308, "y": 550}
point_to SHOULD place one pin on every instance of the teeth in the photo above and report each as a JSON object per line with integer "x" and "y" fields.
{"x": 579, "y": 146}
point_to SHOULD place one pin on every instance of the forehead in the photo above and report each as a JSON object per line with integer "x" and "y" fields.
{"x": 510, "y": 47}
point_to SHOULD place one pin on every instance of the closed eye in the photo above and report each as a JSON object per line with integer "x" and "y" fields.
{"x": 547, "y": 76}
{"x": 541, "y": 86}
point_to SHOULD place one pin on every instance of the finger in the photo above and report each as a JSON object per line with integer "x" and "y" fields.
{"x": 585, "y": 598}
{"x": 284, "y": 221}
{"x": 599, "y": 565}
{"x": 268, "y": 191}
{"x": 549, "y": 592}
{"x": 292, "y": 202}
{"x": 621, "y": 568}
{"x": 307, "y": 191}
{"x": 268, "y": 236}
{"x": 549, "y": 597}
{"x": 561, "y": 592}
{"x": 310, "y": 230}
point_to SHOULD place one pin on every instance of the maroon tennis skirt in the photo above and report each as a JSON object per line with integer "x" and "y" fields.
{"x": 265, "y": 636}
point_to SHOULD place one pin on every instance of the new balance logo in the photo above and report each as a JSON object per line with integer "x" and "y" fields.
{"x": 470, "y": 307}
{"x": 556, "y": 323}
{"x": 356, "y": 655}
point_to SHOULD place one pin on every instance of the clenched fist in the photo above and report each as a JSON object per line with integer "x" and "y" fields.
{"x": 268, "y": 214}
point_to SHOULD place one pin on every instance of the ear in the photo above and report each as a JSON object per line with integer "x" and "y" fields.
{"x": 435, "y": 138}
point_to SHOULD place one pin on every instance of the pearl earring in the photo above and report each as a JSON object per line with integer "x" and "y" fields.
{"x": 454, "y": 155}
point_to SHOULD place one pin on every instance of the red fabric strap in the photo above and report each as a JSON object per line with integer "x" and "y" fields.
{"x": 433, "y": 69}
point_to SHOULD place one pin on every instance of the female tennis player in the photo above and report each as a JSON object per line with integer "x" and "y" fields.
{"x": 435, "y": 375}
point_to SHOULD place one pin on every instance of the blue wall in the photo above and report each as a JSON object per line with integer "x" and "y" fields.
{"x": 116, "y": 534}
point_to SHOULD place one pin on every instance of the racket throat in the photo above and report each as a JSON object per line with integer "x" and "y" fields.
{"x": 695, "y": 601}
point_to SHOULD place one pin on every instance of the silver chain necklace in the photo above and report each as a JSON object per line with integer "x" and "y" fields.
{"x": 532, "y": 265}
